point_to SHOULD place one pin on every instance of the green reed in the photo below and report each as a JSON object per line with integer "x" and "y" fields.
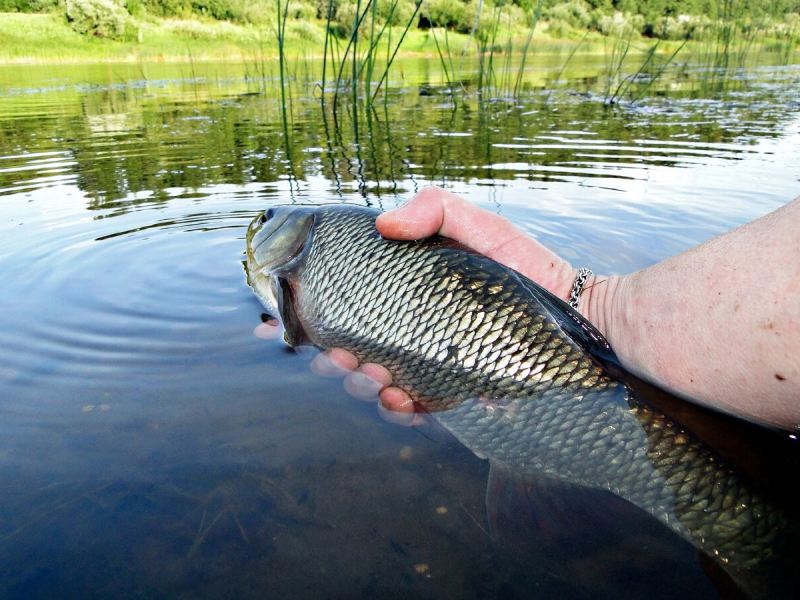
{"x": 447, "y": 73}
{"x": 363, "y": 64}
{"x": 657, "y": 76}
{"x": 486, "y": 74}
{"x": 390, "y": 60}
{"x": 564, "y": 66}
{"x": 536, "y": 16}
{"x": 283, "y": 11}
{"x": 646, "y": 69}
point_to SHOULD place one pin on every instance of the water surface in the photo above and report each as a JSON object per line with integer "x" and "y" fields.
{"x": 151, "y": 445}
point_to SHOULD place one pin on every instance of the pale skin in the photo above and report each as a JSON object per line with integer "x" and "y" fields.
{"x": 718, "y": 324}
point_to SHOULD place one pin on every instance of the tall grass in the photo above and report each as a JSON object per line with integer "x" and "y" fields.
{"x": 564, "y": 66}
{"x": 631, "y": 70}
{"x": 536, "y": 16}
{"x": 390, "y": 61}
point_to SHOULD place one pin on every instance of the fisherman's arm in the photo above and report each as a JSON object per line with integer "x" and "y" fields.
{"x": 719, "y": 323}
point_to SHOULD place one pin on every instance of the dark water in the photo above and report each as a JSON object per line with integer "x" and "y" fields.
{"x": 152, "y": 446}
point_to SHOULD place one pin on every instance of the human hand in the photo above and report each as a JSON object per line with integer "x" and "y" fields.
{"x": 432, "y": 211}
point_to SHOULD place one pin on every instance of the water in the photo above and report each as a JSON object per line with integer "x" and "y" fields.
{"x": 151, "y": 445}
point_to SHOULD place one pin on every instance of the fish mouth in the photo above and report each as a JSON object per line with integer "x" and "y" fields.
{"x": 277, "y": 237}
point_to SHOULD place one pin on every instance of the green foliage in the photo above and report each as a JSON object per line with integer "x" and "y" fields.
{"x": 344, "y": 18}
{"x": 487, "y": 20}
{"x": 101, "y": 18}
{"x": 397, "y": 12}
{"x": 444, "y": 13}
{"x": 303, "y": 30}
{"x": 222, "y": 10}
{"x": 28, "y": 6}
{"x": 620, "y": 25}
{"x": 662, "y": 19}
{"x": 682, "y": 28}
{"x": 165, "y": 8}
{"x": 575, "y": 13}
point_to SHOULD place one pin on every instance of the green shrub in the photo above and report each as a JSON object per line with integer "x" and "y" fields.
{"x": 490, "y": 14}
{"x": 699, "y": 28}
{"x": 166, "y": 8}
{"x": 302, "y": 11}
{"x": 101, "y": 18}
{"x": 303, "y": 30}
{"x": 558, "y": 28}
{"x": 222, "y": 10}
{"x": 345, "y": 16}
{"x": 28, "y": 6}
{"x": 575, "y": 14}
{"x": 668, "y": 28}
{"x": 620, "y": 25}
{"x": 403, "y": 10}
{"x": 444, "y": 13}
{"x": 471, "y": 13}
{"x": 258, "y": 12}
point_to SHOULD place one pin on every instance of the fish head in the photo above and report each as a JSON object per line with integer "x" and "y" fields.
{"x": 277, "y": 243}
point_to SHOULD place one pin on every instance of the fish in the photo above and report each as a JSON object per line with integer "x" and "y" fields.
{"x": 511, "y": 371}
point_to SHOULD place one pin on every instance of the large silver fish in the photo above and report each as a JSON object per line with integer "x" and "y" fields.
{"x": 513, "y": 372}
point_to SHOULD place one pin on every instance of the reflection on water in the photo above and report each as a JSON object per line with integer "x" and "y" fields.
{"x": 151, "y": 445}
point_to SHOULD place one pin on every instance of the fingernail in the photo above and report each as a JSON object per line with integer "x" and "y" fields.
{"x": 362, "y": 387}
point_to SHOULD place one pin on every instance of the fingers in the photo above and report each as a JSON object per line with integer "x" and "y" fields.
{"x": 334, "y": 363}
{"x": 368, "y": 382}
{"x": 396, "y": 400}
{"x": 269, "y": 330}
{"x": 435, "y": 210}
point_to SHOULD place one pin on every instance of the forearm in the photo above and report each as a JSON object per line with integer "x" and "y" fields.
{"x": 719, "y": 323}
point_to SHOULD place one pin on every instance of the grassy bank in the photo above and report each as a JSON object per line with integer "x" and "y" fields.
{"x": 32, "y": 38}
{"x": 47, "y": 38}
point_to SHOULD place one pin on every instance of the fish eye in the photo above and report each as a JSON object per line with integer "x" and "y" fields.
{"x": 266, "y": 216}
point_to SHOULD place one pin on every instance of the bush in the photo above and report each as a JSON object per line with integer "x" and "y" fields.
{"x": 301, "y": 11}
{"x": 101, "y": 18}
{"x": 165, "y": 8}
{"x": 699, "y": 28}
{"x": 344, "y": 17}
{"x": 574, "y": 13}
{"x": 221, "y": 10}
{"x": 258, "y": 12}
{"x": 403, "y": 9}
{"x": 485, "y": 25}
{"x": 620, "y": 25}
{"x": 488, "y": 23}
{"x": 558, "y": 28}
{"x": 303, "y": 30}
{"x": 27, "y": 6}
{"x": 444, "y": 13}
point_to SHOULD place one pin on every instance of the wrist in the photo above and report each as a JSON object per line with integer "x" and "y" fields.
{"x": 601, "y": 305}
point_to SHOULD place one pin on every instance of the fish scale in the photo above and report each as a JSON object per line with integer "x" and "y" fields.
{"x": 486, "y": 353}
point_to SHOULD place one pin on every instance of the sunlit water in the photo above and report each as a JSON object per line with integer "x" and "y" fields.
{"x": 151, "y": 445}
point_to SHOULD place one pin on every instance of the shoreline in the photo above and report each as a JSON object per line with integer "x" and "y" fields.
{"x": 47, "y": 39}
